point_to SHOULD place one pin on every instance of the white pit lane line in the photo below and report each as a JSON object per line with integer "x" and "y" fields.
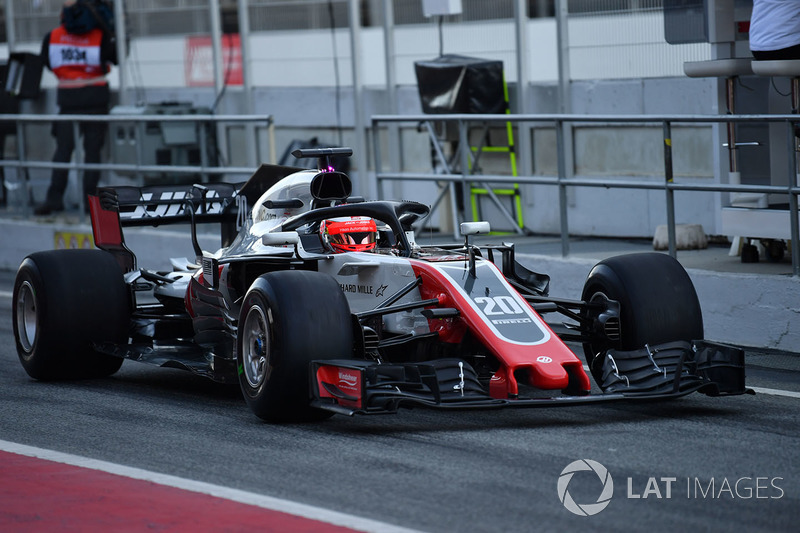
{"x": 776, "y": 392}
{"x": 241, "y": 496}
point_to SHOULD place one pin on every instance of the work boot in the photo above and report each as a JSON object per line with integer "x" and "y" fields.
{"x": 47, "y": 209}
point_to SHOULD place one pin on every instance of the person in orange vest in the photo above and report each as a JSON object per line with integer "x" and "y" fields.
{"x": 80, "y": 52}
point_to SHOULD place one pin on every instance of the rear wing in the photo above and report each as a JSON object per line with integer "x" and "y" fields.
{"x": 156, "y": 205}
{"x": 116, "y": 207}
{"x": 174, "y": 204}
{"x": 225, "y": 203}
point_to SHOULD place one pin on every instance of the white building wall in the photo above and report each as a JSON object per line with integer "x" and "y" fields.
{"x": 619, "y": 65}
{"x": 627, "y": 46}
{"x": 607, "y": 47}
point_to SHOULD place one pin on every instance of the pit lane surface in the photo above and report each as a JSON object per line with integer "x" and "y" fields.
{"x": 728, "y": 463}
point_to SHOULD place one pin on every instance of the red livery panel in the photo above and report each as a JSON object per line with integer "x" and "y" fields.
{"x": 506, "y": 324}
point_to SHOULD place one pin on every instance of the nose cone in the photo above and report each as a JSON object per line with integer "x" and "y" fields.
{"x": 548, "y": 374}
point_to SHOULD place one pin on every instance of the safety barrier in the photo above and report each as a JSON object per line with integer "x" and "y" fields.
{"x": 562, "y": 121}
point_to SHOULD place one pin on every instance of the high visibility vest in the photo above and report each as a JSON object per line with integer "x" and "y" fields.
{"x": 75, "y": 59}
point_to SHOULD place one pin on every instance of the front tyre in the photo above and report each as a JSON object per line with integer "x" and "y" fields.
{"x": 288, "y": 319}
{"x": 658, "y": 303}
{"x": 63, "y": 302}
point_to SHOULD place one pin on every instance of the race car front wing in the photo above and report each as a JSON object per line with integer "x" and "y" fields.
{"x": 665, "y": 371}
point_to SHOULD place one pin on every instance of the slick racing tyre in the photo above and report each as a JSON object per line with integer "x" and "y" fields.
{"x": 288, "y": 319}
{"x": 63, "y": 302}
{"x": 658, "y": 303}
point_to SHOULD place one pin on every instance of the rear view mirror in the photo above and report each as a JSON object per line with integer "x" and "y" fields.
{"x": 475, "y": 228}
{"x": 280, "y": 238}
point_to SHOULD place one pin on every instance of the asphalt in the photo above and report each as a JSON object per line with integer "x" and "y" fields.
{"x": 748, "y": 304}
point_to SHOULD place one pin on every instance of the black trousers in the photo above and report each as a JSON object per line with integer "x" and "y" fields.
{"x": 793, "y": 52}
{"x": 94, "y": 135}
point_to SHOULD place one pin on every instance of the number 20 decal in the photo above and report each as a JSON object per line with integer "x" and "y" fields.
{"x": 499, "y": 305}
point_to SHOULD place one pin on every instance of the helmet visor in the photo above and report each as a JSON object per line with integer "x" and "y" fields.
{"x": 356, "y": 234}
{"x": 357, "y": 237}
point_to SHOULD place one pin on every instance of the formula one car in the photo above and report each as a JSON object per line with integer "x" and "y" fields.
{"x": 319, "y": 302}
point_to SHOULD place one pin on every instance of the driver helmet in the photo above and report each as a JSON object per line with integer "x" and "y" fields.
{"x": 349, "y": 234}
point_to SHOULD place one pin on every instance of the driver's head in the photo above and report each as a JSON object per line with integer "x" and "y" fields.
{"x": 349, "y": 234}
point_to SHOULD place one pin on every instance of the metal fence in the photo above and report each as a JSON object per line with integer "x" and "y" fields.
{"x": 562, "y": 122}
{"x": 254, "y": 126}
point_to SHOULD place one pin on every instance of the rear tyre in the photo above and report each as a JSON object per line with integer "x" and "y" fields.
{"x": 658, "y": 303}
{"x": 63, "y": 301}
{"x": 288, "y": 319}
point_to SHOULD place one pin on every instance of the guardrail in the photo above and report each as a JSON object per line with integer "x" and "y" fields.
{"x": 669, "y": 186}
{"x": 252, "y": 124}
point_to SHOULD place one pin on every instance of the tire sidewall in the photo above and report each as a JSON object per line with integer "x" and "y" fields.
{"x": 36, "y": 367}
{"x": 81, "y": 298}
{"x": 658, "y": 302}
{"x": 307, "y": 318}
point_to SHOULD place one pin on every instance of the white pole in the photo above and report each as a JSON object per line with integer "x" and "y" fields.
{"x": 523, "y": 143}
{"x": 564, "y": 92}
{"x": 122, "y": 58}
{"x": 247, "y": 80}
{"x": 11, "y": 35}
{"x": 216, "y": 44}
{"x": 388, "y": 43}
{"x": 360, "y": 131}
{"x": 219, "y": 81}
{"x": 562, "y": 39}
{"x": 391, "y": 93}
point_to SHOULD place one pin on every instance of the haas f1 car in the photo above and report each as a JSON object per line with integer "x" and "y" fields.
{"x": 319, "y": 302}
